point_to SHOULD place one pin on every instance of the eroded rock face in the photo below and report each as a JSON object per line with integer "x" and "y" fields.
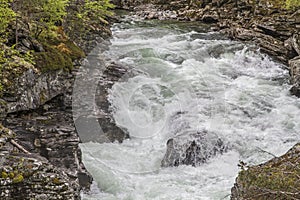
{"x": 31, "y": 176}
{"x": 32, "y": 89}
{"x": 295, "y": 75}
{"x": 193, "y": 149}
{"x": 49, "y": 132}
{"x": 275, "y": 179}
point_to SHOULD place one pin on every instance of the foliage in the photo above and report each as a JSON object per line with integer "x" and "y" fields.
{"x": 13, "y": 64}
{"x": 85, "y": 16}
{"x": 52, "y": 59}
{"x": 95, "y": 9}
{"x": 44, "y": 20}
{"x": 6, "y": 16}
{"x": 41, "y": 15}
{"x": 292, "y": 4}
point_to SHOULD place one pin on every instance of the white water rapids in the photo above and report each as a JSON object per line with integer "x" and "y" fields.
{"x": 217, "y": 85}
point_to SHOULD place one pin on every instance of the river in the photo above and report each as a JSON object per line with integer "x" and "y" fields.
{"x": 221, "y": 86}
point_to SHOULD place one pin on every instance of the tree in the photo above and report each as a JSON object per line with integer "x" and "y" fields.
{"x": 96, "y": 9}
{"x": 84, "y": 15}
{"x": 42, "y": 15}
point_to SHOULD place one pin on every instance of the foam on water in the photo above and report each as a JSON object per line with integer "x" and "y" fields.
{"x": 190, "y": 82}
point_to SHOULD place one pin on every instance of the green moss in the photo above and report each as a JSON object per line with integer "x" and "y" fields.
{"x": 18, "y": 178}
{"x": 58, "y": 55}
{"x": 11, "y": 175}
{"x": 278, "y": 177}
{"x": 56, "y": 181}
{"x": 52, "y": 60}
{"x": 75, "y": 51}
{"x": 4, "y": 175}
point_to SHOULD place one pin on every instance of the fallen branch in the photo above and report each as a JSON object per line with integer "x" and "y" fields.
{"x": 19, "y": 146}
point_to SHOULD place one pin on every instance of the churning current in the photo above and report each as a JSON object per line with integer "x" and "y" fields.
{"x": 217, "y": 85}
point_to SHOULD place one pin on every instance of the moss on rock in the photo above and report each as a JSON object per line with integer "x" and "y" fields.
{"x": 278, "y": 178}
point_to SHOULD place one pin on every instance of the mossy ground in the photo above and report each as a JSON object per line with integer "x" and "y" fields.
{"x": 279, "y": 178}
{"x": 59, "y": 53}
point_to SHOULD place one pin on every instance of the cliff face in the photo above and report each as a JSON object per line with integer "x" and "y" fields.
{"x": 38, "y": 111}
{"x": 39, "y": 145}
{"x": 30, "y": 176}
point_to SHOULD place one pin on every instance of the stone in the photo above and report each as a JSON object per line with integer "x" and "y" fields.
{"x": 36, "y": 46}
{"x": 296, "y": 43}
{"x": 294, "y": 65}
{"x": 210, "y": 18}
{"x": 192, "y": 149}
{"x": 295, "y": 70}
{"x": 3, "y": 109}
{"x": 275, "y": 179}
{"x": 32, "y": 89}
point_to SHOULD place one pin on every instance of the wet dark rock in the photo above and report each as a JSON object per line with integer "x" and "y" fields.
{"x": 91, "y": 107}
{"x": 193, "y": 149}
{"x": 51, "y": 134}
{"x": 295, "y": 75}
{"x": 29, "y": 175}
{"x": 210, "y": 18}
{"x": 32, "y": 89}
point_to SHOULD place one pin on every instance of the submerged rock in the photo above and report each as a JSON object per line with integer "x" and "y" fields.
{"x": 193, "y": 149}
{"x": 275, "y": 179}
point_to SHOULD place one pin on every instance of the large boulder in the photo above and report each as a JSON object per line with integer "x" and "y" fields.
{"x": 275, "y": 179}
{"x": 192, "y": 149}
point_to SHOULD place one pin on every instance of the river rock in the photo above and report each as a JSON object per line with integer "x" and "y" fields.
{"x": 91, "y": 107}
{"x": 295, "y": 75}
{"x": 192, "y": 149}
{"x": 275, "y": 179}
{"x": 210, "y": 18}
{"x": 296, "y": 43}
{"x": 268, "y": 44}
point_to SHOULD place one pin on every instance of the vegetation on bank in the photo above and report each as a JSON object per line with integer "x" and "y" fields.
{"x": 32, "y": 34}
{"x": 288, "y": 4}
{"x": 292, "y": 4}
{"x": 275, "y": 179}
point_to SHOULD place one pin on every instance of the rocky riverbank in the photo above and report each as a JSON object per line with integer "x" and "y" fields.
{"x": 275, "y": 31}
{"x": 39, "y": 143}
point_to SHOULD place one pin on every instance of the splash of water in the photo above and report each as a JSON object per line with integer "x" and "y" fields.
{"x": 191, "y": 80}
